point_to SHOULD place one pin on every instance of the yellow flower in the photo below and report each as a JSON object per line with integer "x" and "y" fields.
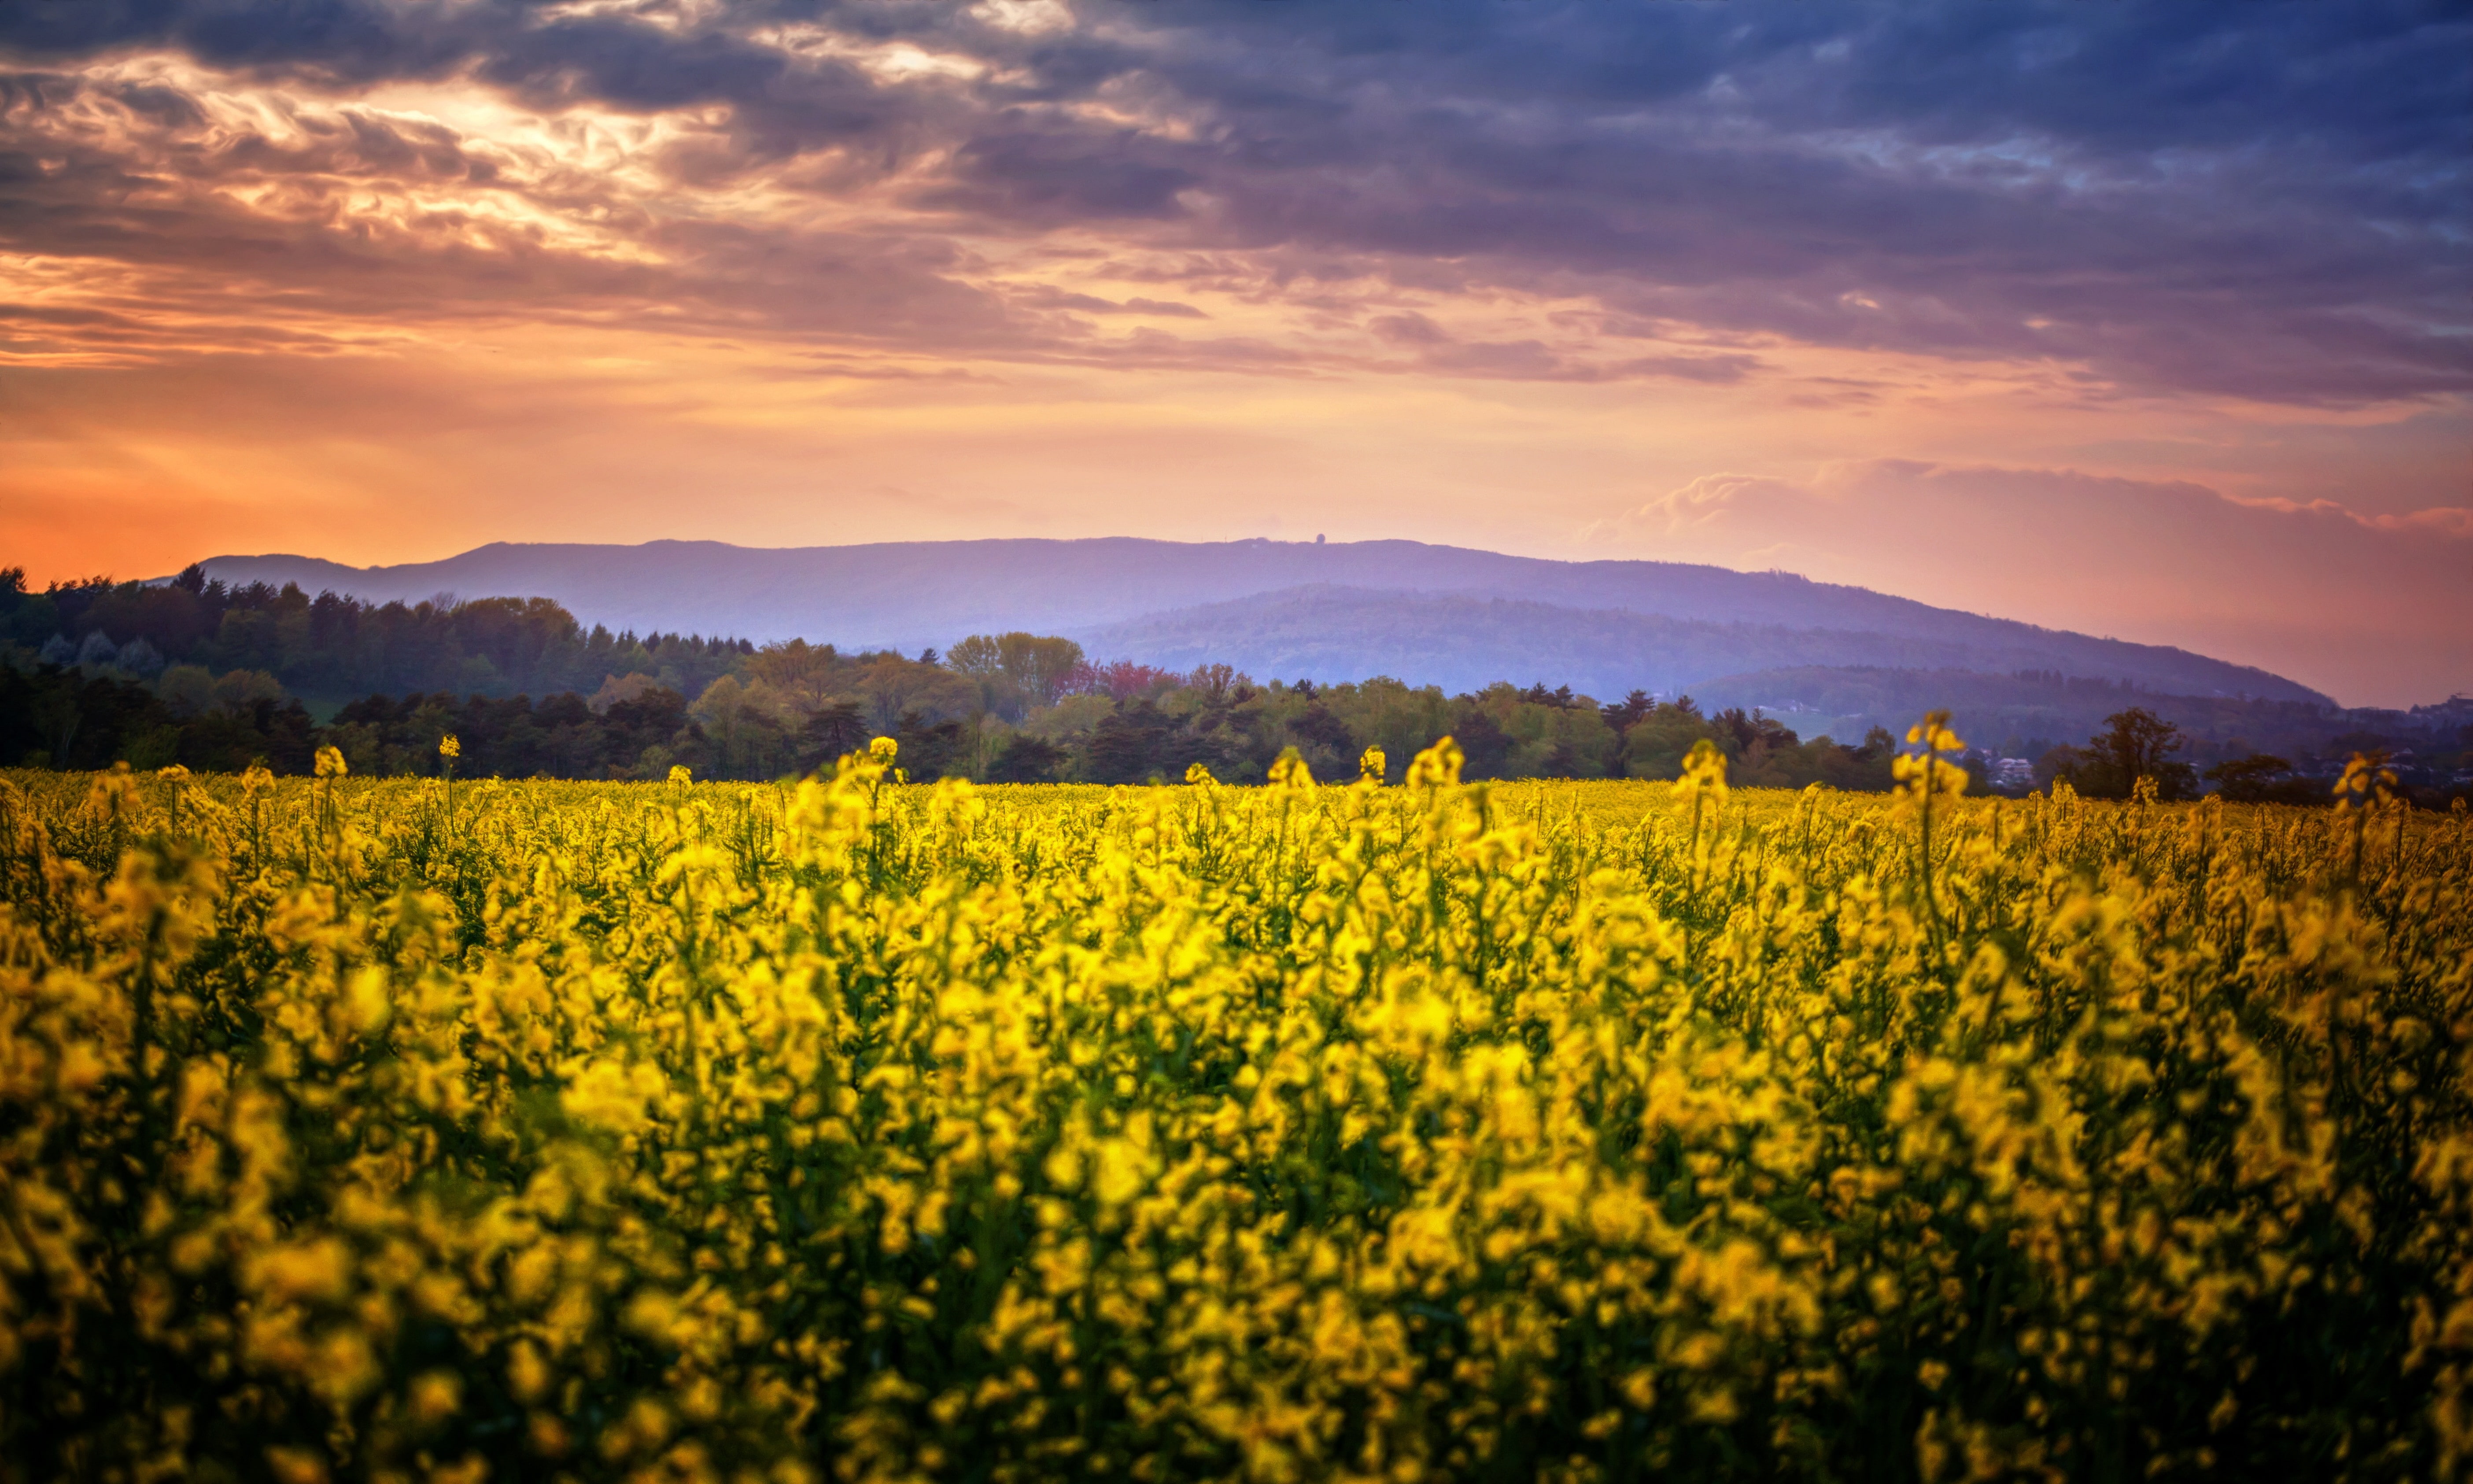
{"x": 1933, "y": 735}
{"x": 1704, "y": 773}
{"x": 1289, "y": 772}
{"x": 330, "y": 763}
{"x": 296, "y": 1466}
{"x": 678, "y": 773}
{"x": 1120, "y": 1172}
{"x": 319, "y": 1269}
{"x": 1437, "y": 766}
{"x": 449, "y": 748}
{"x": 435, "y": 1396}
{"x": 2365, "y": 775}
{"x": 882, "y": 751}
{"x": 527, "y": 1373}
{"x": 1928, "y": 773}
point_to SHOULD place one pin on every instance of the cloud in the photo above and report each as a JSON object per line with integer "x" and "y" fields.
{"x": 1435, "y": 350}
{"x": 2365, "y": 607}
{"x": 2263, "y": 201}
{"x": 1049, "y": 297}
{"x": 343, "y": 222}
{"x": 1714, "y": 369}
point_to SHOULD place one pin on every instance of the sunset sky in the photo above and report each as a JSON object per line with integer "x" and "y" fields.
{"x": 2144, "y": 320}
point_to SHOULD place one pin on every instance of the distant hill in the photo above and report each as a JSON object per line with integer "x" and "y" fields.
{"x": 1429, "y": 614}
{"x": 2015, "y": 711}
{"x": 1462, "y": 642}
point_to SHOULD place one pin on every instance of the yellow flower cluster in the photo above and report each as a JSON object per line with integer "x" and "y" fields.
{"x": 353, "y": 1128}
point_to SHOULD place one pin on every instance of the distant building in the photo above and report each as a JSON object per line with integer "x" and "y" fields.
{"x": 2012, "y": 773}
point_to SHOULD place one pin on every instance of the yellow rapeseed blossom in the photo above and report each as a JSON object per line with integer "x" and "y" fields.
{"x": 846, "y": 1130}
{"x": 1929, "y": 770}
{"x": 1437, "y": 766}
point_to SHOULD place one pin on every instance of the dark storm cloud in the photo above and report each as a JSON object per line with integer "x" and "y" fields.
{"x": 2224, "y": 196}
{"x": 1059, "y": 176}
{"x": 2261, "y": 200}
{"x": 344, "y": 38}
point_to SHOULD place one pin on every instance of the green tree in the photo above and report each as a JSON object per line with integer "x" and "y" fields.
{"x": 830, "y": 733}
{"x": 1039, "y": 664}
{"x": 800, "y": 671}
{"x": 2135, "y": 744}
{"x": 1655, "y": 744}
{"x": 979, "y": 656}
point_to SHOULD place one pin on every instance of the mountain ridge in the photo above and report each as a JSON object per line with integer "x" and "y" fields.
{"x": 1464, "y": 642}
{"x": 1133, "y": 591}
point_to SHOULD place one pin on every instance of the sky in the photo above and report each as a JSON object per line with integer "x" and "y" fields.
{"x": 2147, "y": 320}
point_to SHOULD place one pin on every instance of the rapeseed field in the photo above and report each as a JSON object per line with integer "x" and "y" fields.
{"x": 404, "y": 1130}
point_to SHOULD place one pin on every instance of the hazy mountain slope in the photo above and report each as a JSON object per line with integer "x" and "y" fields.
{"x": 892, "y": 592}
{"x": 2002, "y": 710}
{"x": 1462, "y": 642}
{"x": 908, "y": 596}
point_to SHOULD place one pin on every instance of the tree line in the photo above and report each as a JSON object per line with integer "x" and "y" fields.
{"x": 336, "y": 646}
{"x": 213, "y": 678}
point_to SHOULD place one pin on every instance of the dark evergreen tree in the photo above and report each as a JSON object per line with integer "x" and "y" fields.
{"x": 927, "y": 752}
{"x": 1130, "y": 745}
{"x": 1028, "y": 759}
{"x": 833, "y": 731}
{"x": 1485, "y": 748}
